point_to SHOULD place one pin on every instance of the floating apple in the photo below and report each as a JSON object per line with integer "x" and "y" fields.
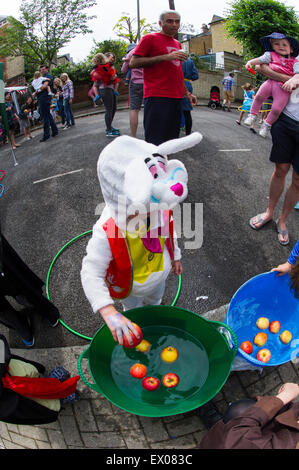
{"x": 169, "y": 354}
{"x": 263, "y": 355}
{"x": 170, "y": 380}
{"x": 150, "y": 383}
{"x": 144, "y": 346}
{"x": 262, "y": 323}
{"x": 260, "y": 339}
{"x": 133, "y": 337}
{"x": 285, "y": 336}
{"x": 274, "y": 326}
{"x": 247, "y": 347}
{"x": 138, "y": 371}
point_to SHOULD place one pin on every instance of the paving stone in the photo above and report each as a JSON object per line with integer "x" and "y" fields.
{"x": 107, "y": 440}
{"x": 33, "y": 432}
{"x": 198, "y": 436}
{"x": 264, "y": 385}
{"x": 185, "y": 442}
{"x": 54, "y": 426}
{"x": 85, "y": 416}
{"x": 56, "y": 439}
{"x": 186, "y": 426}
{"x": 248, "y": 377}
{"x": 288, "y": 373}
{"x": 101, "y": 407}
{"x": 23, "y": 441}
{"x": 11, "y": 445}
{"x": 43, "y": 445}
{"x": 70, "y": 430}
{"x": 135, "y": 439}
{"x": 233, "y": 390}
{"x": 12, "y": 427}
{"x": 4, "y": 431}
{"x": 154, "y": 429}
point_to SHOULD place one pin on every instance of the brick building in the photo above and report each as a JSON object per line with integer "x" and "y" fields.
{"x": 14, "y": 67}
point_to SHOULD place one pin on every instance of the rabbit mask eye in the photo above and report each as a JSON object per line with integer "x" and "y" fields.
{"x": 156, "y": 164}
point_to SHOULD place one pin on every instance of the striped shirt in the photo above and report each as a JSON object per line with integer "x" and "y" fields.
{"x": 68, "y": 90}
{"x": 228, "y": 83}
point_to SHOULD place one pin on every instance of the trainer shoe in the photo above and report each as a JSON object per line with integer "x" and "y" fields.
{"x": 264, "y": 130}
{"x": 250, "y": 120}
{"x": 29, "y": 344}
{"x": 112, "y": 133}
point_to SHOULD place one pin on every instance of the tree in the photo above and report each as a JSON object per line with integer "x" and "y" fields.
{"x": 44, "y": 27}
{"x": 125, "y": 28}
{"x": 249, "y": 20}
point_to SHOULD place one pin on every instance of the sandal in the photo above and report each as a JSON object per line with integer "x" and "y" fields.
{"x": 260, "y": 220}
{"x": 283, "y": 233}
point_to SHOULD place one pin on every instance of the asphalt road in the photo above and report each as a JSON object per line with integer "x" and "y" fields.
{"x": 229, "y": 174}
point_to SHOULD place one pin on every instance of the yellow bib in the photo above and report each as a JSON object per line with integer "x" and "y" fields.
{"x": 144, "y": 261}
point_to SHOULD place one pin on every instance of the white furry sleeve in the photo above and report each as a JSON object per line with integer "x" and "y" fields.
{"x": 94, "y": 268}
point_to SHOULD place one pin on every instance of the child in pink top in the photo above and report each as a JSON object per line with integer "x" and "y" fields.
{"x": 281, "y": 56}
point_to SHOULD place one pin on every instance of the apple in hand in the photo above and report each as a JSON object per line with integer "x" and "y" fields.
{"x": 247, "y": 347}
{"x": 169, "y": 354}
{"x": 135, "y": 340}
{"x": 260, "y": 339}
{"x": 138, "y": 371}
{"x": 170, "y": 380}
{"x": 274, "y": 326}
{"x": 150, "y": 383}
{"x": 262, "y": 323}
{"x": 144, "y": 346}
{"x": 285, "y": 336}
{"x": 263, "y": 355}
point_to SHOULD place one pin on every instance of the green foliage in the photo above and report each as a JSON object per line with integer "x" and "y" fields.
{"x": 118, "y": 47}
{"x": 78, "y": 73}
{"x": 249, "y": 20}
{"x": 45, "y": 26}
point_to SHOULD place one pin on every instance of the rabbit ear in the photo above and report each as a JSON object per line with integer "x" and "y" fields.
{"x": 176, "y": 145}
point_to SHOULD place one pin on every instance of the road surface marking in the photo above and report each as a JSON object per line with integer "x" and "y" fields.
{"x": 236, "y": 150}
{"x": 57, "y": 176}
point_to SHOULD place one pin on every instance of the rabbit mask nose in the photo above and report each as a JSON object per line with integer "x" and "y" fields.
{"x": 177, "y": 189}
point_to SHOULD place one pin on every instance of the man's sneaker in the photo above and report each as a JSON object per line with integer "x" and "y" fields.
{"x": 114, "y": 129}
{"x": 29, "y": 344}
{"x": 53, "y": 324}
{"x": 65, "y": 127}
{"x": 250, "y": 120}
{"x": 112, "y": 133}
{"x": 264, "y": 130}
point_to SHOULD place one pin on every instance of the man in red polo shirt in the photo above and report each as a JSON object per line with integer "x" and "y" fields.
{"x": 161, "y": 57}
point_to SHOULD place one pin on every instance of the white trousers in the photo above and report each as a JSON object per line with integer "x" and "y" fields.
{"x": 153, "y": 297}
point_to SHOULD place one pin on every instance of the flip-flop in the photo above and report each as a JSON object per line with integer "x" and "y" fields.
{"x": 260, "y": 220}
{"x": 284, "y": 233}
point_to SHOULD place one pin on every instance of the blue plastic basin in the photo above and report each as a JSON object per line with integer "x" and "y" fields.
{"x": 271, "y": 296}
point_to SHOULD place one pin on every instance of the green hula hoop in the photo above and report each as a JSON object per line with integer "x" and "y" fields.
{"x": 49, "y": 274}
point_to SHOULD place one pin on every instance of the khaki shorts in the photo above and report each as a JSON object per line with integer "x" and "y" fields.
{"x": 228, "y": 95}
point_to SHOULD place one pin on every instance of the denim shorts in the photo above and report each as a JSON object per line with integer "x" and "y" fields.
{"x": 285, "y": 140}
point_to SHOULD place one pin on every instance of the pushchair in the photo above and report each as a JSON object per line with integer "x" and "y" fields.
{"x": 214, "y": 102}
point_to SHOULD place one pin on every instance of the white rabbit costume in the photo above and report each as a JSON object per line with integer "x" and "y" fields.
{"x": 135, "y": 175}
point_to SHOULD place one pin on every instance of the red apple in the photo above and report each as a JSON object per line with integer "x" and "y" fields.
{"x": 262, "y": 323}
{"x": 247, "y": 347}
{"x": 260, "y": 339}
{"x": 133, "y": 337}
{"x": 285, "y": 336}
{"x": 170, "y": 380}
{"x": 274, "y": 326}
{"x": 138, "y": 371}
{"x": 150, "y": 383}
{"x": 263, "y": 355}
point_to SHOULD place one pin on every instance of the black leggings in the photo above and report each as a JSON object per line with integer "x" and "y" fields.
{"x": 109, "y": 100}
{"x": 188, "y": 122}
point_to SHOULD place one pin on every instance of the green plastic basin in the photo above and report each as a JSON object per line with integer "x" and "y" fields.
{"x": 206, "y": 352}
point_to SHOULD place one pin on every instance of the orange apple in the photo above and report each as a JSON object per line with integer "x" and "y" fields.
{"x": 169, "y": 354}
{"x": 138, "y": 371}
{"x": 144, "y": 346}
{"x": 133, "y": 337}
{"x": 170, "y": 380}
{"x": 260, "y": 339}
{"x": 262, "y": 323}
{"x": 247, "y": 347}
{"x": 285, "y": 336}
{"x": 274, "y": 326}
{"x": 263, "y": 355}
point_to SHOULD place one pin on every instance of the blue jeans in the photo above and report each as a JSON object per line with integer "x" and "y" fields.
{"x": 68, "y": 112}
{"x": 61, "y": 110}
{"x": 48, "y": 121}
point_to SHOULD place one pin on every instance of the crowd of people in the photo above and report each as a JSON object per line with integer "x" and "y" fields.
{"x": 134, "y": 271}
